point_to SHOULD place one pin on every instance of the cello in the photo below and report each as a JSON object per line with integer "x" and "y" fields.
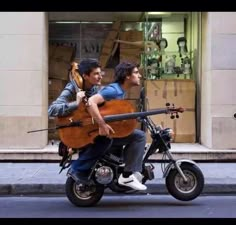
{"x": 79, "y": 129}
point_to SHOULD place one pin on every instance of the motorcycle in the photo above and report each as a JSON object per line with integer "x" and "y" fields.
{"x": 184, "y": 180}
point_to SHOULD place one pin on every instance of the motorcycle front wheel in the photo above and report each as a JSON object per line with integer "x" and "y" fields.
{"x": 189, "y": 190}
{"x": 83, "y": 196}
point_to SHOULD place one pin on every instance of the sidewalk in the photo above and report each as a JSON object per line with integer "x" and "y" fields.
{"x": 44, "y": 178}
{"x": 194, "y": 151}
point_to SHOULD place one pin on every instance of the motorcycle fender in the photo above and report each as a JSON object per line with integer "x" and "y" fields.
{"x": 179, "y": 162}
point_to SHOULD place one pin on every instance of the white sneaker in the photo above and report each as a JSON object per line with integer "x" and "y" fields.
{"x": 132, "y": 182}
{"x": 139, "y": 176}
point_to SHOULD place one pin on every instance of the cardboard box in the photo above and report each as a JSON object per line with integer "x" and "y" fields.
{"x": 60, "y": 58}
{"x": 134, "y": 92}
{"x": 106, "y": 50}
{"x": 131, "y": 52}
{"x": 130, "y": 58}
{"x": 63, "y": 53}
{"x": 116, "y": 25}
{"x": 107, "y": 47}
{"x": 59, "y": 69}
{"x": 55, "y": 86}
{"x": 52, "y": 49}
{"x": 184, "y": 128}
{"x": 103, "y": 59}
{"x": 179, "y": 93}
{"x": 108, "y": 76}
{"x": 131, "y": 35}
{"x": 130, "y": 46}
{"x": 110, "y": 39}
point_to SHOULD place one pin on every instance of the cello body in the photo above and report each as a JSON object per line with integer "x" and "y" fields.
{"x": 85, "y": 133}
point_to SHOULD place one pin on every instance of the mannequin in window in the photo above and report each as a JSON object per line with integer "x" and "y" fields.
{"x": 182, "y": 44}
{"x": 170, "y": 64}
{"x": 186, "y": 62}
{"x": 162, "y": 43}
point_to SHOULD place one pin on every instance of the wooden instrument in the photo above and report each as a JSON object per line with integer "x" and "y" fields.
{"x": 79, "y": 129}
{"x": 75, "y": 77}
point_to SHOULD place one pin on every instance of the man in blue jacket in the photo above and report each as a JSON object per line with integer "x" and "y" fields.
{"x": 126, "y": 76}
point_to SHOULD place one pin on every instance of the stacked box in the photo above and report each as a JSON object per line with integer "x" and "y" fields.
{"x": 60, "y": 58}
{"x": 109, "y": 44}
{"x": 181, "y": 93}
{"x": 55, "y": 86}
{"x": 129, "y": 52}
{"x": 108, "y": 76}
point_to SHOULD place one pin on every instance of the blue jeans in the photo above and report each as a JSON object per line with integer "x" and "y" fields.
{"x": 88, "y": 156}
{"x": 133, "y": 154}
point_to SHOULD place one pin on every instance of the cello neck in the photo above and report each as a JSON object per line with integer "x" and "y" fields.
{"x": 124, "y": 116}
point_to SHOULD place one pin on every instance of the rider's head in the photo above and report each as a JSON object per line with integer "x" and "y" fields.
{"x": 123, "y": 70}
{"x": 86, "y": 66}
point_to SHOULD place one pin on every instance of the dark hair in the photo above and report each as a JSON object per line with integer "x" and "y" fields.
{"x": 123, "y": 70}
{"x": 162, "y": 39}
{"x": 87, "y": 65}
{"x": 182, "y": 39}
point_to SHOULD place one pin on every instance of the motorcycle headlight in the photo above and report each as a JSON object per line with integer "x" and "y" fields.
{"x": 168, "y": 134}
{"x": 171, "y": 134}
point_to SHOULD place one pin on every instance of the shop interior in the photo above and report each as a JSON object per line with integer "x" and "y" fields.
{"x": 164, "y": 44}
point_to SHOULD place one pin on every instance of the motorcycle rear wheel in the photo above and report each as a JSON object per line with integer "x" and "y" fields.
{"x": 185, "y": 191}
{"x": 83, "y": 198}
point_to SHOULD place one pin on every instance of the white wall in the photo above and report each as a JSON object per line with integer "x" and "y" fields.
{"x": 24, "y": 78}
{"x": 218, "y": 128}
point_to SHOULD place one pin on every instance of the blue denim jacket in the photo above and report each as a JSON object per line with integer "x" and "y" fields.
{"x": 66, "y": 103}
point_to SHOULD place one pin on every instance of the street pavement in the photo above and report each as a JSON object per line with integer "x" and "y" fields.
{"x": 44, "y": 178}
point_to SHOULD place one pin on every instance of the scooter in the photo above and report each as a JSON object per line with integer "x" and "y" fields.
{"x": 183, "y": 178}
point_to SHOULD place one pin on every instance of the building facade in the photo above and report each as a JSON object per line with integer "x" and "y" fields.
{"x": 24, "y": 75}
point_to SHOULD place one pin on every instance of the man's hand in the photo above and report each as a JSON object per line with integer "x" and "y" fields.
{"x": 79, "y": 96}
{"x": 104, "y": 129}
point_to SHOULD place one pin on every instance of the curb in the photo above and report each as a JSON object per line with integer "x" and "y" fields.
{"x": 57, "y": 189}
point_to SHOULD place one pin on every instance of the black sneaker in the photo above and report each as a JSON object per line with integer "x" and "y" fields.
{"x": 78, "y": 176}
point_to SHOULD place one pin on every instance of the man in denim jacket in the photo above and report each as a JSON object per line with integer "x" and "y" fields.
{"x": 68, "y": 101}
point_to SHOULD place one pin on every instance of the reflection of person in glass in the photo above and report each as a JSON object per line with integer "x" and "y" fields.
{"x": 153, "y": 34}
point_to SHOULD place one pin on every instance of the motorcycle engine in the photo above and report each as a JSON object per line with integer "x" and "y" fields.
{"x": 104, "y": 175}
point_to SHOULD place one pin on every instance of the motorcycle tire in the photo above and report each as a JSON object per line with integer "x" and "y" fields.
{"x": 83, "y": 198}
{"x": 185, "y": 191}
